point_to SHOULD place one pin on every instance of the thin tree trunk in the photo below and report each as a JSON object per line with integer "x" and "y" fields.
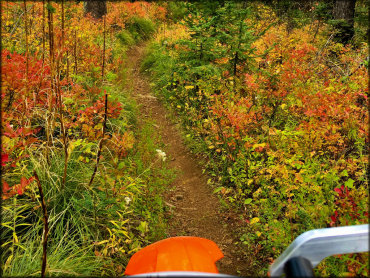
{"x": 101, "y": 141}
{"x": 103, "y": 64}
{"x": 105, "y": 116}
{"x": 62, "y": 23}
{"x": 50, "y": 120}
{"x": 46, "y": 226}
{"x": 26, "y": 38}
{"x": 27, "y": 58}
{"x": 75, "y": 52}
{"x": 62, "y": 125}
{"x": 43, "y": 32}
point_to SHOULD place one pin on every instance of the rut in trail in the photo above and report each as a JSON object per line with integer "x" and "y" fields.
{"x": 195, "y": 208}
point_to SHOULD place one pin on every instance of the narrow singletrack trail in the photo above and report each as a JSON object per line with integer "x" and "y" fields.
{"x": 196, "y": 210}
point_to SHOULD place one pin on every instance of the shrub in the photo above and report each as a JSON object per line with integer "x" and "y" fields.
{"x": 141, "y": 28}
{"x": 176, "y": 11}
{"x": 285, "y": 145}
{"x": 125, "y": 38}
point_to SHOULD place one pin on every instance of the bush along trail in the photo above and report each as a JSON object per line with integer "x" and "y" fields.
{"x": 244, "y": 123}
{"x": 81, "y": 185}
{"x": 278, "y": 113}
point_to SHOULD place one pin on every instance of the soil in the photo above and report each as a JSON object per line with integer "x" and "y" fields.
{"x": 195, "y": 209}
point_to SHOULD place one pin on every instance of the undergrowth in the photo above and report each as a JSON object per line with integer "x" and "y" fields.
{"x": 100, "y": 174}
{"x": 282, "y": 133}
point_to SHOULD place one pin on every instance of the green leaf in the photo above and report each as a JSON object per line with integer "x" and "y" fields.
{"x": 50, "y": 8}
{"x": 247, "y": 201}
{"x": 218, "y": 189}
{"x": 349, "y": 183}
{"x": 68, "y": 100}
{"x": 120, "y": 165}
{"x": 143, "y": 227}
{"x": 344, "y": 173}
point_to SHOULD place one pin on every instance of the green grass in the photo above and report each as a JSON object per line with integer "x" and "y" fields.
{"x": 69, "y": 249}
{"x": 120, "y": 221}
{"x": 65, "y": 258}
{"x": 125, "y": 38}
{"x": 141, "y": 28}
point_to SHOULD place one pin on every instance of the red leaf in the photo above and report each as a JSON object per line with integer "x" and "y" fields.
{"x": 4, "y": 159}
{"x": 338, "y": 190}
{"x": 5, "y": 187}
{"x": 23, "y": 182}
{"x": 8, "y": 131}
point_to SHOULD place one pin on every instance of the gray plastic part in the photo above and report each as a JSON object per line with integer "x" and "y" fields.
{"x": 316, "y": 245}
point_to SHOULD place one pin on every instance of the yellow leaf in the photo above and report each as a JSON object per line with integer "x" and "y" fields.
{"x": 258, "y": 234}
{"x": 189, "y": 87}
{"x": 272, "y": 131}
{"x": 102, "y": 242}
{"x": 258, "y": 145}
{"x": 8, "y": 261}
{"x": 70, "y": 148}
{"x": 15, "y": 237}
{"x": 98, "y": 126}
{"x": 255, "y": 220}
{"x": 298, "y": 177}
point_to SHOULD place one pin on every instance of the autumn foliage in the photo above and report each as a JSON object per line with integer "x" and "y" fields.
{"x": 285, "y": 130}
{"x": 278, "y": 110}
{"x": 60, "y": 116}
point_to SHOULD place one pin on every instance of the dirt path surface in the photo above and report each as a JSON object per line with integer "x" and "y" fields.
{"x": 195, "y": 208}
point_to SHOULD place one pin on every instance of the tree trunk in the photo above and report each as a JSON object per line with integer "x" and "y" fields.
{"x": 344, "y": 13}
{"x": 96, "y": 8}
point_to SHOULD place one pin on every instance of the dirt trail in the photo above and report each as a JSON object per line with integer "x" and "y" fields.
{"x": 195, "y": 208}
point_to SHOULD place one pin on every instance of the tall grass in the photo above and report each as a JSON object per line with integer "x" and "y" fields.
{"x": 92, "y": 230}
{"x": 93, "y": 227}
{"x": 69, "y": 227}
{"x": 141, "y": 28}
{"x": 65, "y": 258}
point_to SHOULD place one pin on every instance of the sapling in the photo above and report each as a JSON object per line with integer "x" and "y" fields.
{"x": 26, "y": 40}
{"x": 60, "y": 101}
{"x": 43, "y": 32}
{"x": 105, "y": 113}
{"x": 49, "y": 120}
{"x": 75, "y": 51}
{"x": 46, "y": 226}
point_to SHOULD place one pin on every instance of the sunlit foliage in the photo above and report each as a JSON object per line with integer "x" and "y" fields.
{"x": 282, "y": 114}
